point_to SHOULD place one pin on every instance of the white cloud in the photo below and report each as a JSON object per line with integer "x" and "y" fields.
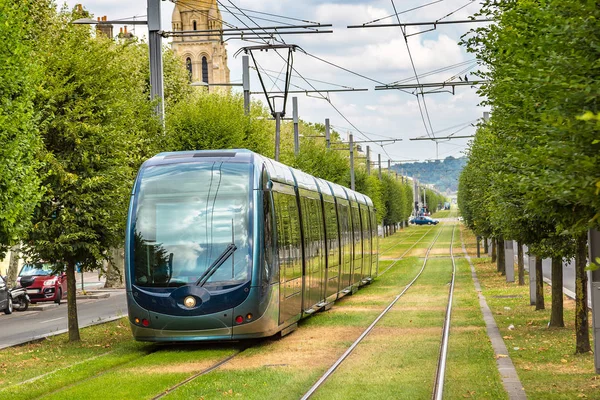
{"x": 378, "y": 53}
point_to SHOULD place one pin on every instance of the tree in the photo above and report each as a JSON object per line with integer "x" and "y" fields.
{"x": 21, "y": 24}
{"x": 546, "y": 49}
{"x": 94, "y": 113}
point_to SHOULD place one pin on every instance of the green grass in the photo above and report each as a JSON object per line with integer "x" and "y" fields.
{"x": 397, "y": 360}
{"x": 544, "y": 357}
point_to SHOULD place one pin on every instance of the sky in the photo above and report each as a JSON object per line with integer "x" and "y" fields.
{"x": 380, "y": 55}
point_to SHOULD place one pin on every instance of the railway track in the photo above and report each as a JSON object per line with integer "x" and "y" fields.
{"x": 440, "y": 371}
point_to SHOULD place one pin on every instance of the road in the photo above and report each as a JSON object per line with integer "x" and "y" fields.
{"x": 21, "y": 327}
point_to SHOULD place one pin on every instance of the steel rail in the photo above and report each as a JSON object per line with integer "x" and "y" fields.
{"x": 402, "y": 240}
{"x": 407, "y": 250}
{"x": 438, "y": 389}
{"x": 203, "y": 372}
{"x": 330, "y": 371}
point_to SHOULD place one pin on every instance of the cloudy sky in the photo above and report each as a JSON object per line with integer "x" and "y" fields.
{"x": 379, "y": 54}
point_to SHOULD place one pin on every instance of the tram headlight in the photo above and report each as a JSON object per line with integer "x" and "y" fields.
{"x": 189, "y": 301}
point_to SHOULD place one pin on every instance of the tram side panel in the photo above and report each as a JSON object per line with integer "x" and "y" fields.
{"x": 366, "y": 239}
{"x": 333, "y": 251}
{"x": 314, "y": 257}
{"x": 357, "y": 246}
{"x": 374, "y": 245}
{"x": 346, "y": 243}
{"x": 289, "y": 253}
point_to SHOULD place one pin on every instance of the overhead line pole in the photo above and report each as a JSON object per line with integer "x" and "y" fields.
{"x": 351, "y": 162}
{"x": 246, "y": 83}
{"x": 379, "y": 163}
{"x": 328, "y": 133}
{"x": 368, "y": 161}
{"x": 296, "y": 129}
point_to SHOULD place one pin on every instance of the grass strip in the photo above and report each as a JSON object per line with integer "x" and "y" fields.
{"x": 544, "y": 357}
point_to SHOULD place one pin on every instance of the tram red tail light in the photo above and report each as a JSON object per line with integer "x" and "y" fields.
{"x": 145, "y": 322}
{"x": 239, "y": 319}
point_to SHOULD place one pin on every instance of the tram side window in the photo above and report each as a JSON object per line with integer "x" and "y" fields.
{"x": 357, "y": 233}
{"x": 332, "y": 234}
{"x": 270, "y": 271}
{"x": 317, "y": 235}
{"x": 288, "y": 236}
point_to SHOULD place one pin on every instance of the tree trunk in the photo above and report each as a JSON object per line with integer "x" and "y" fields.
{"x": 520, "y": 264}
{"x": 539, "y": 284}
{"x": 485, "y": 245}
{"x": 556, "y": 316}
{"x": 13, "y": 264}
{"x": 500, "y": 259}
{"x": 73, "y": 323}
{"x": 582, "y": 330}
{"x": 115, "y": 269}
{"x": 493, "y": 249}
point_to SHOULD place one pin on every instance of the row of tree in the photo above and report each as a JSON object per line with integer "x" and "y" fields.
{"x": 76, "y": 122}
{"x": 533, "y": 173}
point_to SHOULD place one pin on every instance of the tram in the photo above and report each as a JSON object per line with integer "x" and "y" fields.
{"x": 229, "y": 245}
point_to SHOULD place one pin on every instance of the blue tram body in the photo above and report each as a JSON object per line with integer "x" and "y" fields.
{"x": 228, "y": 245}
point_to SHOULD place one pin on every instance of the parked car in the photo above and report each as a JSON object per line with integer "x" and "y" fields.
{"x": 5, "y": 298}
{"x": 422, "y": 220}
{"x": 43, "y": 283}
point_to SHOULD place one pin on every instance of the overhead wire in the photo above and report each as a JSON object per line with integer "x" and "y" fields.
{"x": 310, "y": 84}
{"x": 416, "y": 77}
{"x": 403, "y": 12}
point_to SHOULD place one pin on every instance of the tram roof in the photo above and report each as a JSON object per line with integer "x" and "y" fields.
{"x": 277, "y": 171}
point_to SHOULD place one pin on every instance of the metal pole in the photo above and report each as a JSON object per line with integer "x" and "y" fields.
{"x": 246, "y": 83}
{"x": 368, "y": 160}
{"x": 532, "y": 279}
{"x": 296, "y": 132}
{"x": 327, "y": 134}
{"x": 389, "y": 167}
{"x": 509, "y": 260}
{"x": 379, "y": 162}
{"x": 351, "y": 140}
{"x": 277, "y": 116}
{"x": 594, "y": 252}
{"x": 156, "y": 62}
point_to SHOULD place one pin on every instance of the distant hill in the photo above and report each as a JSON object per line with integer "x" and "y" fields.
{"x": 443, "y": 174}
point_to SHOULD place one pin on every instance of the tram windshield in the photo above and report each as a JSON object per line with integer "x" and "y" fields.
{"x": 188, "y": 218}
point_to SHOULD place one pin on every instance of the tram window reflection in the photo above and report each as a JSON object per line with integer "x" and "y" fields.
{"x": 186, "y": 217}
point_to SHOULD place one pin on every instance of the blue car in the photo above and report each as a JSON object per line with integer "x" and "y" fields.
{"x": 422, "y": 220}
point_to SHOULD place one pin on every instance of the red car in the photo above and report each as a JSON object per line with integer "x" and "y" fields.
{"x": 42, "y": 283}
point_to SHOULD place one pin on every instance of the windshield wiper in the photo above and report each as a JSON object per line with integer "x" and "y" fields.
{"x": 216, "y": 264}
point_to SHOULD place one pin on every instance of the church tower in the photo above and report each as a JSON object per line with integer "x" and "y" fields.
{"x": 205, "y": 56}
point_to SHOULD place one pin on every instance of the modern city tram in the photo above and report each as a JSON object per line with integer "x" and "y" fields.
{"x": 229, "y": 245}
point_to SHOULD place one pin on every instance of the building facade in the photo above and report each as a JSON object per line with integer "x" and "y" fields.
{"x": 205, "y": 55}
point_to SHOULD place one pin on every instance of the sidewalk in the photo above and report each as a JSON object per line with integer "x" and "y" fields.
{"x": 90, "y": 281}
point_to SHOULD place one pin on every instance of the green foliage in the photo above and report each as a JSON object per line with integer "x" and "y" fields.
{"x": 94, "y": 113}
{"x": 21, "y": 23}
{"x": 217, "y": 121}
{"x": 532, "y": 171}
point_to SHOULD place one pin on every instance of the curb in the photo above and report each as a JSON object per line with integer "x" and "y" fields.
{"x": 104, "y": 321}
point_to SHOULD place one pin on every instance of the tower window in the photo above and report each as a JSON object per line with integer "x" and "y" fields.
{"x": 195, "y": 26}
{"x": 188, "y": 66}
{"x": 204, "y": 70}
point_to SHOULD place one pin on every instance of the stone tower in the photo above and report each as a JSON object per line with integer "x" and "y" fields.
{"x": 205, "y": 56}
